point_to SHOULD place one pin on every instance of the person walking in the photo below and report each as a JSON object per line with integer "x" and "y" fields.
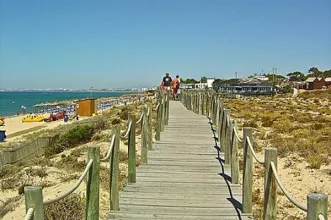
{"x": 167, "y": 82}
{"x": 175, "y": 88}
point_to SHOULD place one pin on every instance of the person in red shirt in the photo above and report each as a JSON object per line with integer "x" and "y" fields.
{"x": 175, "y": 87}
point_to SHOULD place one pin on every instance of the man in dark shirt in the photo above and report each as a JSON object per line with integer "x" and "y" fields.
{"x": 167, "y": 81}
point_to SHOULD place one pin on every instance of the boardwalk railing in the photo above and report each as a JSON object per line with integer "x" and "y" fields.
{"x": 34, "y": 202}
{"x": 211, "y": 104}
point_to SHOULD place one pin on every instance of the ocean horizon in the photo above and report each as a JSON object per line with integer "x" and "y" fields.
{"x": 12, "y": 101}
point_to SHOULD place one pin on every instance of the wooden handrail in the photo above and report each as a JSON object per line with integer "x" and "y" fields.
{"x": 33, "y": 194}
{"x": 228, "y": 136}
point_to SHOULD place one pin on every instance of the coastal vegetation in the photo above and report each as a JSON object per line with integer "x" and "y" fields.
{"x": 64, "y": 160}
{"x": 301, "y": 125}
{"x": 300, "y": 128}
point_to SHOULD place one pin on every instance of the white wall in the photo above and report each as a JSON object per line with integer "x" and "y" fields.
{"x": 210, "y": 82}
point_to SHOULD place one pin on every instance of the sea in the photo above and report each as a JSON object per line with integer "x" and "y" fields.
{"x": 11, "y": 102}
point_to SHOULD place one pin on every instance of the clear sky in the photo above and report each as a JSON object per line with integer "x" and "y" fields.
{"x": 130, "y": 43}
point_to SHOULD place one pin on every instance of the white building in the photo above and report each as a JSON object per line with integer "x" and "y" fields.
{"x": 210, "y": 82}
{"x": 262, "y": 78}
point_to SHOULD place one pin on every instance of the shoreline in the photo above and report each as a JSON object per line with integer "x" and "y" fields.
{"x": 15, "y": 128}
{"x": 104, "y": 98}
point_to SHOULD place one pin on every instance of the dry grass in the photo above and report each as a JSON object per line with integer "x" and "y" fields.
{"x": 258, "y": 202}
{"x": 299, "y": 126}
{"x": 69, "y": 164}
{"x": 71, "y": 207}
{"x": 8, "y": 205}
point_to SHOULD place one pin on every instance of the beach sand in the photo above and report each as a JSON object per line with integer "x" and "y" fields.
{"x": 15, "y": 128}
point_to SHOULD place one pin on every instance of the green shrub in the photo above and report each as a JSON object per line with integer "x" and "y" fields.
{"x": 326, "y": 131}
{"x": 99, "y": 123}
{"x": 267, "y": 121}
{"x": 70, "y": 207}
{"x": 269, "y": 118}
{"x": 8, "y": 170}
{"x": 250, "y": 123}
{"x": 315, "y": 161}
{"x": 73, "y": 137}
{"x": 286, "y": 89}
{"x": 302, "y": 118}
{"x": 301, "y": 133}
{"x": 53, "y": 149}
{"x": 116, "y": 121}
{"x": 318, "y": 126}
{"x": 284, "y": 145}
{"x": 77, "y": 135}
{"x": 41, "y": 172}
{"x": 283, "y": 126}
{"x": 124, "y": 113}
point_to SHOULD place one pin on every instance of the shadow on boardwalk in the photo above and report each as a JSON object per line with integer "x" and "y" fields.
{"x": 227, "y": 178}
{"x": 185, "y": 177}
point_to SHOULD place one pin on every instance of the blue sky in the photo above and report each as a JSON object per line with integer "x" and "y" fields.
{"x": 129, "y": 43}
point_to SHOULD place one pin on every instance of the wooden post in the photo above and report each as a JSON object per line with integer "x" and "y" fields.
{"x": 132, "y": 151}
{"x": 227, "y": 149}
{"x": 203, "y": 103}
{"x": 217, "y": 113}
{"x": 211, "y": 106}
{"x": 220, "y": 115}
{"x": 167, "y": 100}
{"x": 227, "y": 136}
{"x": 199, "y": 103}
{"x": 214, "y": 108}
{"x": 185, "y": 99}
{"x": 143, "y": 140}
{"x": 223, "y": 141}
{"x": 234, "y": 156}
{"x": 194, "y": 102}
{"x": 158, "y": 122}
{"x": 163, "y": 112}
{"x": 92, "y": 186}
{"x": 247, "y": 172}
{"x": 34, "y": 198}
{"x": 191, "y": 101}
{"x": 270, "y": 184}
{"x": 208, "y": 105}
{"x": 150, "y": 127}
{"x": 317, "y": 204}
{"x": 114, "y": 171}
{"x": 168, "y": 107}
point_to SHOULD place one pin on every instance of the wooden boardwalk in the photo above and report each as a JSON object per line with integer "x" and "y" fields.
{"x": 184, "y": 178}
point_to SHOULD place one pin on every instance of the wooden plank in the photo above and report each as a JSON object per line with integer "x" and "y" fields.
{"x": 184, "y": 178}
{"x": 180, "y": 191}
{"x": 144, "y": 216}
{"x": 192, "y": 211}
{"x": 177, "y": 203}
{"x": 183, "y": 175}
{"x": 157, "y": 172}
{"x": 170, "y": 195}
